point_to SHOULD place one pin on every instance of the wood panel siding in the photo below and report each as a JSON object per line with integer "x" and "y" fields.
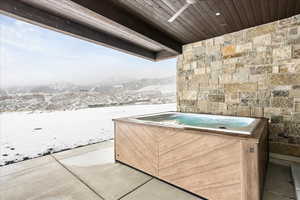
{"x": 137, "y": 146}
{"x": 199, "y": 21}
{"x": 211, "y": 165}
{"x": 194, "y": 161}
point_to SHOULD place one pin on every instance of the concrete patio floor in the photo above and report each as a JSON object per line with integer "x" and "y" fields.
{"x": 90, "y": 173}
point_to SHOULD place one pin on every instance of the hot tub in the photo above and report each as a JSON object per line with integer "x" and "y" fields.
{"x": 228, "y": 124}
{"x": 215, "y": 157}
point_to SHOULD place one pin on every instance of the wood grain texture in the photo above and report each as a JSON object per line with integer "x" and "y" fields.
{"x": 250, "y": 171}
{"x": 216, "y": 167}
{"x": 192, "y": 25}
{"x": 205, "y": 165}
{"x": 254, "y": 160}
{"x": 136, "y": 145}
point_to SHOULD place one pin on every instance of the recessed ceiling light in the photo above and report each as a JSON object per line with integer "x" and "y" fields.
{"x": 218, "y": 14}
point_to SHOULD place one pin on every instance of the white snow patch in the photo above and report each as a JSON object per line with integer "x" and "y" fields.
{"x": 24, "y": 134}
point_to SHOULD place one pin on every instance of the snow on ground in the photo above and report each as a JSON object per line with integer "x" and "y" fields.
{"x": 25, "y": 135}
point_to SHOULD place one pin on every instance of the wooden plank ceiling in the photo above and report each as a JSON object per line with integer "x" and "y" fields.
{"x": 141, "y": 27}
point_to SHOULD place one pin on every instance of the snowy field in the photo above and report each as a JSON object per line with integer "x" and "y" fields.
{"x": 25, "y": 135}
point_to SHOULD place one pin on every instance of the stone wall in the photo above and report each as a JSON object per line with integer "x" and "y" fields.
{"x": 253, "y": 72}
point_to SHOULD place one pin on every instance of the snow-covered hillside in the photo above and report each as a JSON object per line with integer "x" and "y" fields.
{"x": 170, "y": 88}
{"x": 25, "y": 135}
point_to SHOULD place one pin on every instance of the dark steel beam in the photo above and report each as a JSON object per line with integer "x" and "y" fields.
{"x": 112, "y": 11}
{"x": 22, "y": 11}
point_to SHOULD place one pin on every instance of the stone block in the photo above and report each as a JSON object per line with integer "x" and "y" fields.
{"x": 216, "y": 98}
{"x": 200, "y": 44}
{"x": 282, "y": 102}
{"x": 296, "y": 51}
{"x": 297, "y": 107}
{"x": 249, "y": 102}
{"x": 270, "y": 111}
{"x": 282, "y": 87}
{"x": 293, "y": 128}
{"x": 230, "y": 61}
{"x": 193, "y": 65}
{"x": 295, "y": 87}
{"x": 296, "y": 117}
{"x": 257, "y": 111}
{"x": 240, "y": 87}
{"x": 186, "y": 67}
{"x": 230, "y": 68}
{"x": 219, "y": 40}
{"x": 263, "y": 102}
{"x": 280, "y": 93}
{"x": 216, "y": 65}
{"x": 209, "y": 42}
{"x": 261, "y": 69}
{"x": 248, "y": 95}
{"x": 189, "y": 94}
{"x": 232, "y": 98}
{"x": 276, "y": 119}
{"x": 229, "y": 39}
{"x": 283, "y": 69}
{"x": 201, "y": 78}
{"x": 262, "y": 58}
{"x": 241, "y": 76}
{"x": 229, "y": 51}
{"x": 279, "y": 38}
{"x": 188, "y": 57}
{"x": 260, "y": 78}
{"x": 284, "y": 79}
{"x": 213, "y": 50}
{"x": 201, "y": 70}
{"x": 287, "y": 111}
{"x": 208, "y": 69}
{"x": 261, "y": 30}
{"x": 244, "y": 111}
{"x": 231, "y": 109}
{"x": 261, "y": 49}
{"x": 225, "y": 78}
{"x": 213, "y": 107}
{"x": 293, "y": 36}
{"x": 262, "y": 40}
{"x": 275, "y": 69}
{"x": 202, "y": 106}
{"x": 282, "y": 53}
{"x": 242, "y": 48}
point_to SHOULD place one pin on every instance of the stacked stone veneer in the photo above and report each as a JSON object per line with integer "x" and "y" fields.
{"x": 253, "y": 72}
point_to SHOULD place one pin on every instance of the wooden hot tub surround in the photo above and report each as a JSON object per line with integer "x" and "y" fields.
{"x": 212, "y": 165}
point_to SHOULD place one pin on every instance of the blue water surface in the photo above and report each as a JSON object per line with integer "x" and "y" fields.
{"x": 201, "y": 121}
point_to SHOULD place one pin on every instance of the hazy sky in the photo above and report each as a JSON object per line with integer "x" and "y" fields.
{"x": 32, "y": 55}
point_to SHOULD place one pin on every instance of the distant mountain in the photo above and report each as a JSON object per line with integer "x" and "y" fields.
{"x": 68, "y": 96}
{"x": 105, "y": 88}
{"x": 109, "y": 88}
{"x": 3, "y": 92}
